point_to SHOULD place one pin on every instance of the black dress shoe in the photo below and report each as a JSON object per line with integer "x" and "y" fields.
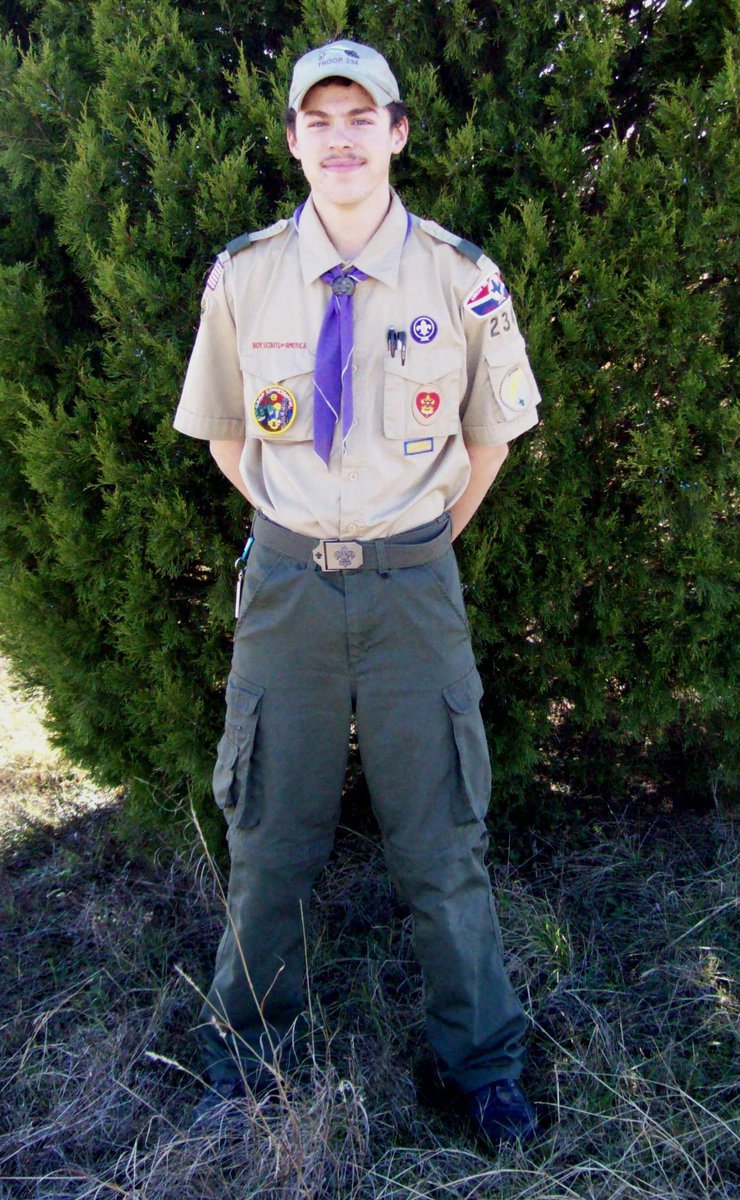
{"x": 500, "y": 1112}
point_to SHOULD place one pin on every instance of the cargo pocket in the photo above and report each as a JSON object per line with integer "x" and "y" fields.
{"x": 471, "y": 799}
{"x": 233, "y": 783}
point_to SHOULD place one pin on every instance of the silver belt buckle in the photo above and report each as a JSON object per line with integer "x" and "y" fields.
{"x": 335, "y": 555}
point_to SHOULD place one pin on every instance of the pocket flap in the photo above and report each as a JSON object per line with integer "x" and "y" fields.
{"x": 471, "y": 800}
{"x": 430, "y": 365}
{"x": 223, "y": 772}
{"x": 242, "y": 696}
{"x": 465, "y": 694}
{"x": 279, "y": 365}
{"x": 232, "y": 785}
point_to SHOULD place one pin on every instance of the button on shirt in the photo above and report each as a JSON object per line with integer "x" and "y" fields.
{"x": 465, "y": 375}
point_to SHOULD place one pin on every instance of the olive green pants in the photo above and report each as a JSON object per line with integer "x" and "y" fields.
{"x": 310, "y": 649}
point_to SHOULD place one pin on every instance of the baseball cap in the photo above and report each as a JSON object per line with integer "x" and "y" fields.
{"x": 349, "y": 60}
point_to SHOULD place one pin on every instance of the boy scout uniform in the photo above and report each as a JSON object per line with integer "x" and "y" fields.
{"x": 351, "y": 604}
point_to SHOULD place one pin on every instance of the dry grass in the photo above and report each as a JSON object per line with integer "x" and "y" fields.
{"x": 622, "y": 943}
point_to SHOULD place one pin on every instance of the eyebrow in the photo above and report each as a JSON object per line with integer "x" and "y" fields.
{"x": 353, "y": 112}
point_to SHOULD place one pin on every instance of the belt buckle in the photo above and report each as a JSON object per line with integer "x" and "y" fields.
{"x": 332, "y": 554}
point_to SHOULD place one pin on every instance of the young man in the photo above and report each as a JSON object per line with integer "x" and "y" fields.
{"x": 358, "y": 374}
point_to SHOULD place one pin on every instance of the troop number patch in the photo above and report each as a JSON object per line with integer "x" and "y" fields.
{"x": 275, "y": 409}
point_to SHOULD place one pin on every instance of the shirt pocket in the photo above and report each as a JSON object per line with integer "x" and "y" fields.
{"x": 422, "y": 394}
{"x": 512, "y": 382}
{"x": 278, "y": 395}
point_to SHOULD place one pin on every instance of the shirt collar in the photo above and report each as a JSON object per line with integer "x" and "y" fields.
{"x": 380, "y": 258}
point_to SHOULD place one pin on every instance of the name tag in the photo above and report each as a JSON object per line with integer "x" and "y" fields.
{"x": 419, "y": 446}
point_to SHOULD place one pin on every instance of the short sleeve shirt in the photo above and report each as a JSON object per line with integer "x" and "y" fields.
{"x": 464, "y": 376}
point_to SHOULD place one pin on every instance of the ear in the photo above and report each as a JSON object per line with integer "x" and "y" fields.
{"x": 293, "y": 143}
{"x": 399, "y": 136}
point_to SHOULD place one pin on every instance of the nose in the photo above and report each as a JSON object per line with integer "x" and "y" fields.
{"x": 339, "y": 135}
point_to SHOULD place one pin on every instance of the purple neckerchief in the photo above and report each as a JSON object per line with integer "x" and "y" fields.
{"x": 332, "y": 377}
{"x": 332, "y": 373}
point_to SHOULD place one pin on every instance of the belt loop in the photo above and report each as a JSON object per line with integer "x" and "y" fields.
{"x": 382, "y": 557}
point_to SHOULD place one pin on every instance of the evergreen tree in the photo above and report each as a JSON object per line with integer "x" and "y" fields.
{"x": 591, "y": 149}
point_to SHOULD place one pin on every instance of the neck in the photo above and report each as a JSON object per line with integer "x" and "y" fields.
{"x": 350, "y": 227}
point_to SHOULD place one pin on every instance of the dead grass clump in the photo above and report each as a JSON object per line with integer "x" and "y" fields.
{"x": 309, "y": 1139}
{"x": 623, "y": 950}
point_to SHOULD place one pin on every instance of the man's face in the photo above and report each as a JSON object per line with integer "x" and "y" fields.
{"x": 344, "y": 143}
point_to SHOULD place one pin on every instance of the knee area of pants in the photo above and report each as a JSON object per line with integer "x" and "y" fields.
{"x": 277, "y": 856}
{"x": 455, "y": 845}
{"x": 442, "y": 875}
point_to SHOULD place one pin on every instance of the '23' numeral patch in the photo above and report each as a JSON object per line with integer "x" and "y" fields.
{"x": 503, "y": 322}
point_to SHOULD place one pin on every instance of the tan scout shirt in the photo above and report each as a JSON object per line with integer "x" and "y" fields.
{"x": 465, "y": 377}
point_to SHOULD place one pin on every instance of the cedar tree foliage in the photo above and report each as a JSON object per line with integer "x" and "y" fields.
{"x": 591, "y": 149}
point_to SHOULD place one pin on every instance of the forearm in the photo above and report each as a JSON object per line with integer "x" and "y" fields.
{"x": 226, "y": 456}
{"x": 485, "y": 464}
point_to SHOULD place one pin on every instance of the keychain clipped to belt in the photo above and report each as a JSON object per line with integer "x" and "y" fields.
{"x": 240, "y": 565}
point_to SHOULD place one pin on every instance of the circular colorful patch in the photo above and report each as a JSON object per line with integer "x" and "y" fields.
{"x": 423, "y": 329}
{"x": 514, "y": 391}
{"x": 426, "y": 405}
{"x": 275, "y": 409}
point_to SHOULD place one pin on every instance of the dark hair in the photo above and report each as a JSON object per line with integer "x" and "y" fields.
{"x": 396, "y": 109}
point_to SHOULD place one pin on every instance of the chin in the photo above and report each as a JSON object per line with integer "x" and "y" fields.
{"x": 354, "y": 192}
{"x": 349, "y": 199}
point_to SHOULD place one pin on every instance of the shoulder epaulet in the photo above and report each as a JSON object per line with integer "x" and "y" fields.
{"x": 246, "y": 239}
{"x": 462, "y": 245}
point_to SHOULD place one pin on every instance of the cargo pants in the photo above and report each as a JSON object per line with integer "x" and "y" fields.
{"x": 393, "y": 647}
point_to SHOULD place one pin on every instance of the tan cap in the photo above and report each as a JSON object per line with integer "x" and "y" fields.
{"x": 348, "y": 60}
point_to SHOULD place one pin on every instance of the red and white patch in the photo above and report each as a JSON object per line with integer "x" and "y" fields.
{"x": 426, "y": 405}
{"x": 487, "y": 295}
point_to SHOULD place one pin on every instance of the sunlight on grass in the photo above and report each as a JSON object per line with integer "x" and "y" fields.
{"x": 22, "y": 736}
{"x": 38, "y": 787}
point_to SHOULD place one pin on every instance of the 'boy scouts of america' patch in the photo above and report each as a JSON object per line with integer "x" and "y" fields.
{"x": 487, "y": 296}
{"x": 275, "y": 409}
